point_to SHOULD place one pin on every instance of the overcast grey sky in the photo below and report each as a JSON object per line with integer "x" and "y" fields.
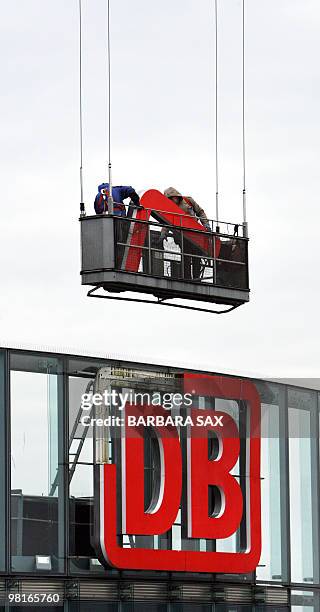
{"x": 163, "y": 134}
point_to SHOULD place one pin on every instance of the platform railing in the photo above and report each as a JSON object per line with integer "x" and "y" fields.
{"x": 174, "y": 252}
{"x": 226, "y": 228}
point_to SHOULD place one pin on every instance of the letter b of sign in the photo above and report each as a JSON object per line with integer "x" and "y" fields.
{"x": 208, "y": 477}
{"x": 204, "y": 473}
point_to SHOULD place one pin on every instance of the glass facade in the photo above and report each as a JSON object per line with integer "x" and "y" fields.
{"x": 47, "y": 495}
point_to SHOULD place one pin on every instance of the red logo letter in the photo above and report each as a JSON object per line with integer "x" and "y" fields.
{"x": 162, "y": 513}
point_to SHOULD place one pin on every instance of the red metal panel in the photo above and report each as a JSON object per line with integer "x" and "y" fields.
{"x": 166, "y": 212}
{"x": 169, "y": 212}
{"x": 136, "y": 240}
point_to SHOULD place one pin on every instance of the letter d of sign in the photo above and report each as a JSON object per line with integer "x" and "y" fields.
{"x": 120, "y": 510}
{"x": 163, "y": 510}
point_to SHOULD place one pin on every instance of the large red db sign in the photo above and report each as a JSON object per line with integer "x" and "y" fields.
{"x": 189, "y": 474}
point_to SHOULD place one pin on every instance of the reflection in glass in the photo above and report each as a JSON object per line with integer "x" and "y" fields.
{"x": 270, "y": 567}
{"x": 80, "y": 481}
{"x": 302, "y": 406}
{"x": 304, "y": 601}
{"x": 36, "y": 478}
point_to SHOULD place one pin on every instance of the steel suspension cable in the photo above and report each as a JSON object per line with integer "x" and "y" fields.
{"x": 244, "y": 191}
{"x": 82, "y": 206}
{"x": 216, "y": 113}
{"x": 110, "y": 198}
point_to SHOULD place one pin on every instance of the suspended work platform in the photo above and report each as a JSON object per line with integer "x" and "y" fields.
{"x": 160, "y": 251}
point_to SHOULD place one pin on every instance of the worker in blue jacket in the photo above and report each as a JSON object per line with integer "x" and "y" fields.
{"x": 119, "y": 194}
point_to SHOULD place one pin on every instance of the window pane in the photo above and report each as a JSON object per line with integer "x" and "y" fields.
{"x": 303, "y": 493}
{"x": 80, "y": 482}
{"x": 36, "y": 470}
{"x": 304, "y": 601}
{"x": 3, "y": 463}
{"x": 273, "y": 483}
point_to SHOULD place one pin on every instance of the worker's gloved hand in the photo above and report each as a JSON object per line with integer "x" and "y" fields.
{"x": 208, "y": 228}
{"x": 136, "y": 204}
{"x": 135, "y": 201}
